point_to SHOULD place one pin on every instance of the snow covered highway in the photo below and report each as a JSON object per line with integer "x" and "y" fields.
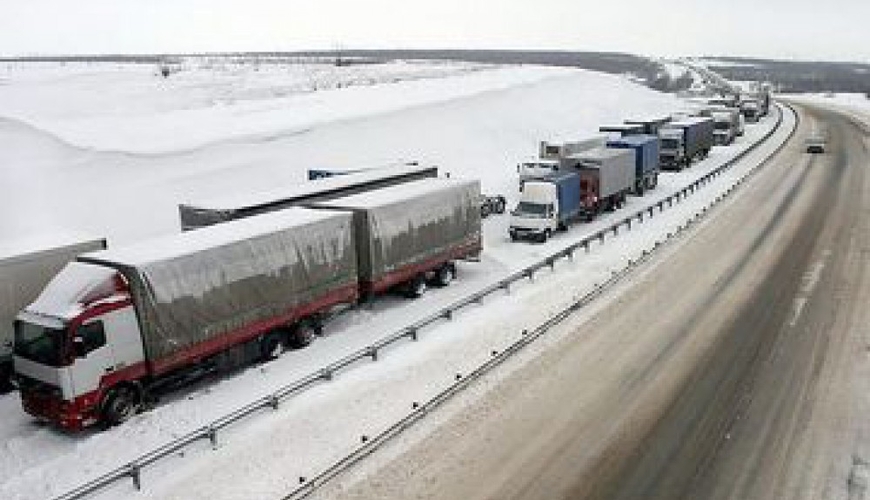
{"x": 328, "y": 421}
{"x": 733, "y": 367}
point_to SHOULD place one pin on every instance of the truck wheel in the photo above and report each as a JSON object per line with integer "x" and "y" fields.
{"x": 119, "y": 405}
{"x": 445, "y": 275}
{"x": 271, "y": 346}
{"x": 639, "y": 188}
{"x": 544, "y": 236}
{"x": 302, "y": 335}
{"x": 484, "y": 210}
{"x": 514, "y": 236}
{"x": 6, "y": 372}
{"x": 500, "y": 205}
{"x": 416, "y": 287}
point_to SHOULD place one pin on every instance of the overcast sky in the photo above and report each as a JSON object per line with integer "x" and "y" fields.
{"x": 794, "y": 29}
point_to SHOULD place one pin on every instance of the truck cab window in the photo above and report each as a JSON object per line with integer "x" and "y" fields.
{"x": 91, "y": 336}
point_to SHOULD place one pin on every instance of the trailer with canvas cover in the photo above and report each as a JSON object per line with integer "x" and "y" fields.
{"x": 650, "y": 125}
{"x": 646, "y": 160}
{"x": 606, "y": 177}
{"x": 411, "y": 235}
{"x": 115, "y": 326}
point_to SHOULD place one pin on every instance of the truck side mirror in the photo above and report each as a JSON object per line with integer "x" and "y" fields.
{"x": 79, "y": 347}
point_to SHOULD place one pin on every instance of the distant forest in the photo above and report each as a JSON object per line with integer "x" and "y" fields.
{"x": 788, "y": 76}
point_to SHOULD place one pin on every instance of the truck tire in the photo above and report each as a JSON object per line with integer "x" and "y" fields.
{"x": 415, "y": 287}
{"x": 500, "y": 205}
{"x": 119, "y": 405}
{"x": 6, "y": 373}
{"x": 514, "y": 236}
{"x": 302, "y": 335}
{"x": 271, "y": 346}
{"x": 444, "y": 275}
{"x": 544, "y": 236}
{"x": 640, "y": 187}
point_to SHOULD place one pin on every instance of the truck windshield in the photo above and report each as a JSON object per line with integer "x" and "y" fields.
{"x": 670, "y": 144}
{"x": 534, "y": 209}
{"x": 40, "y": 343}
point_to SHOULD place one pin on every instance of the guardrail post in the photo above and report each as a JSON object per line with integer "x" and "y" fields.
{"x": 373, "y": 353}
{"x": 212, "y": 437}
{"x": 628, "y": 223}
{"x": 447, "y": 314}
{"x": 651, "y": 211}
{"x": 615, "y": 230}
{"x": 601, "y": 237}
{"x": 413, "y": 333}
{"x": 274, "y": 402}
{"x": 586, "y": 245}
{"x": 136, "y": 475}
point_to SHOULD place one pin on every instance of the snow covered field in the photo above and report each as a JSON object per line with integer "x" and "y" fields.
{"x": 472, "y": 121}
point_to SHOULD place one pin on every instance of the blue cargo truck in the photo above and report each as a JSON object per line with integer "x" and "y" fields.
{"x": 684, "y": 141}
{"x": 547, "y": 204}
{"x": 646, "y": 159}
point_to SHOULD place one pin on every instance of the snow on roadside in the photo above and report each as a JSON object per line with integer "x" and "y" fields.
{"x": 132, "y": 110}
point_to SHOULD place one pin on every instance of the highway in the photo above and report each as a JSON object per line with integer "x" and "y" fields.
{"x": 736, "y": 365}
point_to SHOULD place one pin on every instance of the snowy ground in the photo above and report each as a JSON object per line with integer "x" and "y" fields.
{"x": 472, "y": 121}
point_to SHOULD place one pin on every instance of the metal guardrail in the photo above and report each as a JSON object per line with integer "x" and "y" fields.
{"x": 209, "y": 432}
{"x": 369, "y": 446}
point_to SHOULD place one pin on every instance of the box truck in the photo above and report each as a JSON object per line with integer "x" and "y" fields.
{"x": 26, "y": 266}
{"x": 726, "y": 125}
{"x": 547, "y": 204}
{"x": 606, "y": 177}
{"x": 646, "y": 160}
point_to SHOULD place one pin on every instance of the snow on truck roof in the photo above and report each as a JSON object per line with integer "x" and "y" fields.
{"x": 304, "y": 189}
{"x": 191, "y": 242}
{"x": 395, "y": 194}
{"x": 40, "y": 243}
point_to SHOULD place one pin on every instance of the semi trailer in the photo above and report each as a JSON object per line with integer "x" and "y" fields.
{"x": 684, "y": 141}
{"x": 196, "y": 214}
{"x": 26, "y": 266}
{"x": 650, "y": 126}
{"x": 646, "y": 160}
{"x": 727, "y": 125}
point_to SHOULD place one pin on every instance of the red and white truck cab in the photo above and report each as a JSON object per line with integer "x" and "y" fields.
{"x": 76, "y": 345}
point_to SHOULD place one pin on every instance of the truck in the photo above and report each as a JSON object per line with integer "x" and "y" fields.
{"x": 26, "y": 266}
{"x": 606, "y": 177}
{"x": 547, "y": 204}
{"x": 646, "y": 160}
{"x": 727, "y": 125}
{"x": 650, "y": 125}
{"x": 117, "y": 327}
{"x": 751, "y": 109}
{"x": 196, "y": 214}
{"x": 411, "y": 235}
{"x": 684, "y": 141}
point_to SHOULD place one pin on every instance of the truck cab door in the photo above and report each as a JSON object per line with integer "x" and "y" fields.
{"x": 93, "y": 357}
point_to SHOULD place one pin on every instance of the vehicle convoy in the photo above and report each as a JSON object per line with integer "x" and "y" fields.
{"x": 202, "y": 213}
{"x": 646, "y": 159}
{"x": 116, "y": 327}
{"x": 684, "y": 141}
{"x": 547, "y": 204}
{"x": 726, "y": 125}
{"x": 606, "y": 177}
{"x": 25, "y": 268}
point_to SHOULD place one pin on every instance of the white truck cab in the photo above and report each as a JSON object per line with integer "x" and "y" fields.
{"x": 536, "y": 213}
{"x": 672, "y": 148}
{"x": 74, "y": 344}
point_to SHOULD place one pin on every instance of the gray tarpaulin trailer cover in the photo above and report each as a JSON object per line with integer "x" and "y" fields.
{"x": 407, "y": 229}
{"x": 197, "y": 289}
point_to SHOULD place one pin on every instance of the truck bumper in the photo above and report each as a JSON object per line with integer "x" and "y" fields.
{"x": 45, "y": 404}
